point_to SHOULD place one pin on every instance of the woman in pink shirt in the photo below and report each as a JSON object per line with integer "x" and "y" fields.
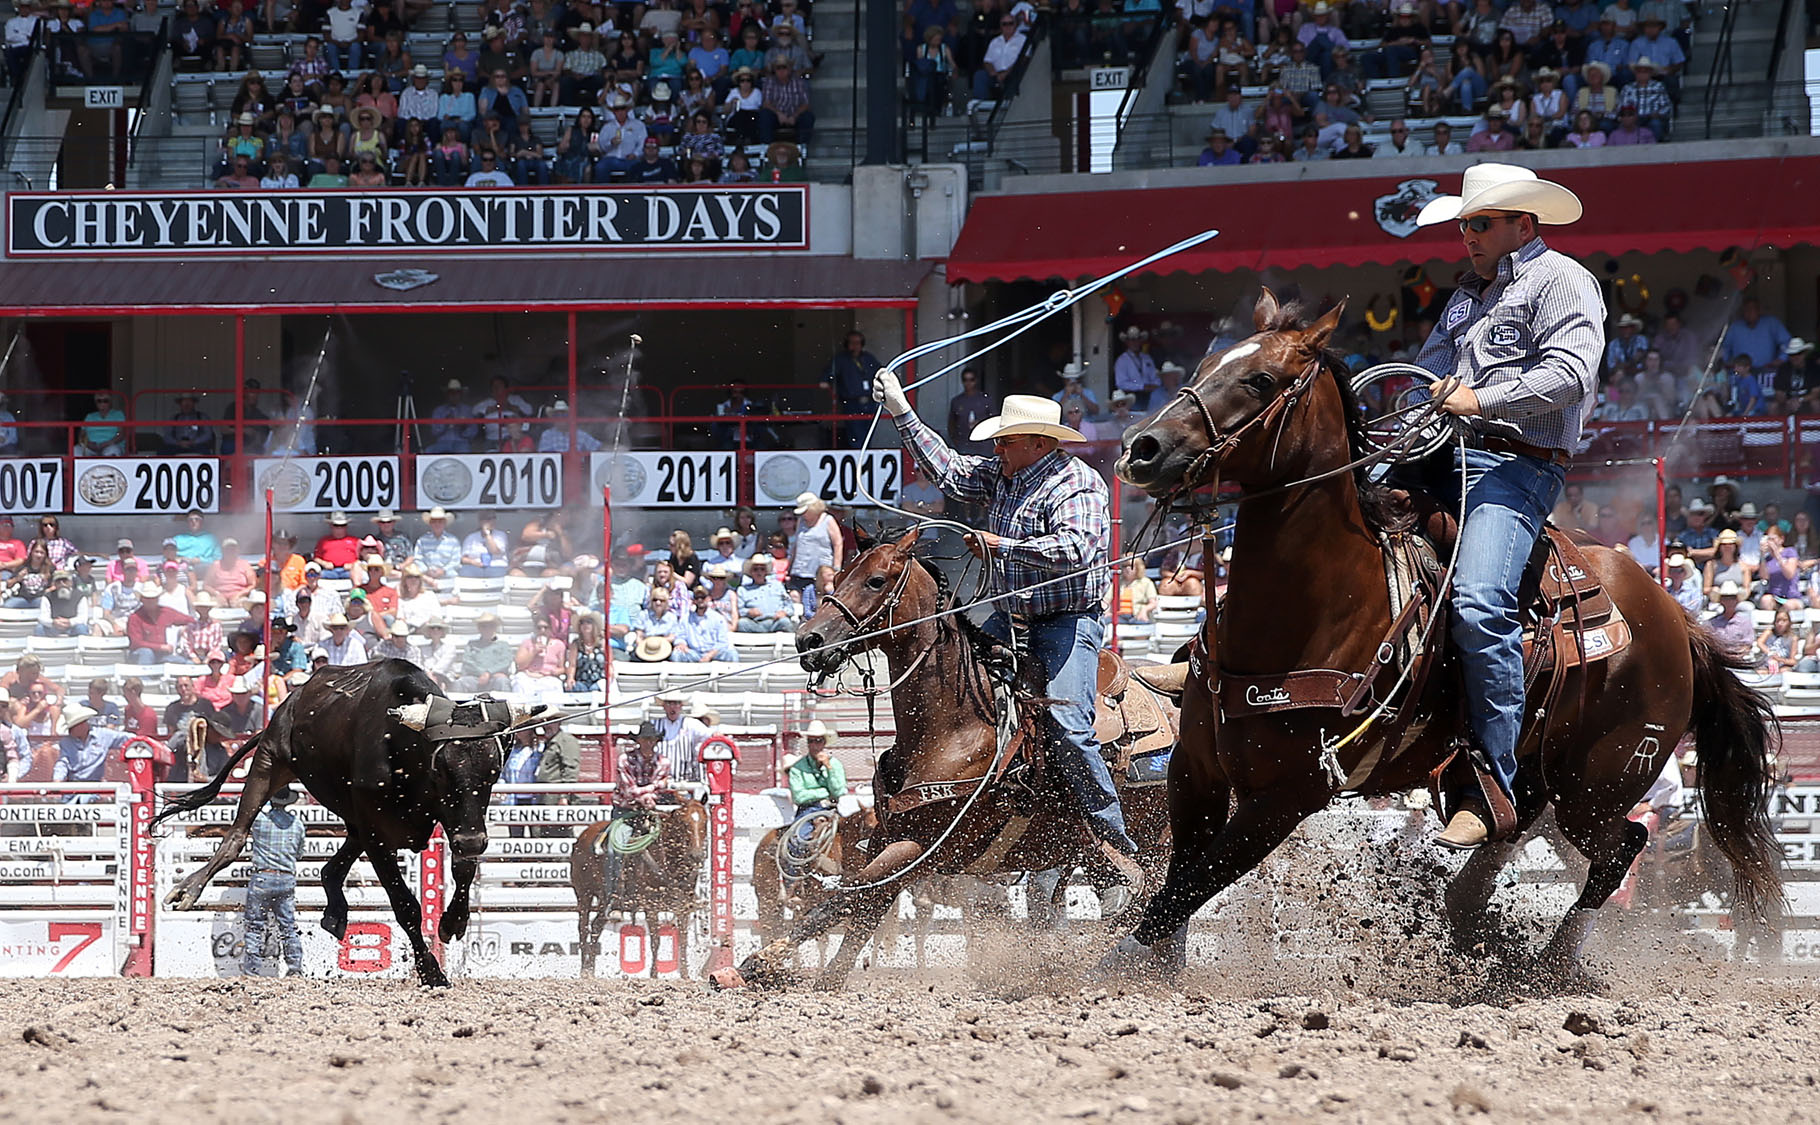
{"x": 540, "y": 661}
{"x": 125, "y": 568}
{"x": 232, "y": 578}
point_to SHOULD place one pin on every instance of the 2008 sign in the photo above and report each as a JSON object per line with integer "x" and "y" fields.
{"x": 123, "y": 485}
{"x": 30, "y": 487}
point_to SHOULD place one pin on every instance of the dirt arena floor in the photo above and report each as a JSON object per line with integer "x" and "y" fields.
{"x": 1705, "y": 1041}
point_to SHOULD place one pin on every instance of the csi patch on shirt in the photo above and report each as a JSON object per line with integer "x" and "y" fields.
{"x": 1457, "y": 315}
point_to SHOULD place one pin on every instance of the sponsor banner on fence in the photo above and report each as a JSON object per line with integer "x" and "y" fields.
{"x": 530, "y": 946}
{"x": 146, "y": 485}
{"x": 666, "y": 480}
{"x": 327, "y": 484}
{"x": 57, "y": 943}
{"x": 212, "y": 943}
{"x": 590, "y": 220}
{"x": 839, "y": 476}
{"x": 489, "y": 480}
{"x": 30, "y": 486}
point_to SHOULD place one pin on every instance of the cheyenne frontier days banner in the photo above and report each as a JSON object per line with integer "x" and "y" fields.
{"x": 579, "y": 220}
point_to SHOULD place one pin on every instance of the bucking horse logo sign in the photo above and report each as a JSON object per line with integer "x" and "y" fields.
{"x": 1397, "y": 212}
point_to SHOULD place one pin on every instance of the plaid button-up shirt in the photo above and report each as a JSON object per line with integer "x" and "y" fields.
{"x": 1651, "y": 99}
{"x": 1528, "y": 342}
{"x": 785, "y": 97}
{"x": 277, "y": 839}
{"x": 1052, "y": 516}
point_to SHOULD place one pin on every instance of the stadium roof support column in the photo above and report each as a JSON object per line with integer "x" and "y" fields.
{"x": 881, "y": 31}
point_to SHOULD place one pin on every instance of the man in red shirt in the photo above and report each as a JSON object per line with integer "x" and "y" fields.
{"x": 148, "y": 628}
{"x": 12, "y": 551}
{"x": 337, "y": 550}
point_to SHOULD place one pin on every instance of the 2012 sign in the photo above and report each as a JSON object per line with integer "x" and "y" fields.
{"x": 147, "y": 485}
{"x": 839, "y": 476}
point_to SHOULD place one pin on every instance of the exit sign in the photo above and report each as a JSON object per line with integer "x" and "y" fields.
{"x": 1109, "y": 77}
{"x": 104, "y": 97}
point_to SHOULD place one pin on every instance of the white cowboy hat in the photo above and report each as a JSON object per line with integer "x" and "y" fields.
{"x": 818, "y": 729}
{"x": 1730, "y": 590}
{"x": 76, "y": 714}
{"x": 148, "y": 590}
{"x": 807, "y": 500}
{"x": 239, "y": 686}
{"x": 669, "y": 695}
{"x": 1797, "y": 345}
{"x": 1677, "y": 562}
{"x": 1504, "y": 187}
{"x": 1629, "y": 321}
{"x": 1027, "y": 414}
{"x": 437, "y": 513}
{"x": 653, "y": 649}
{"x": 1073, "y": 371}
{"x": 758, "y": 560}
{"x": 1748, "y": 511}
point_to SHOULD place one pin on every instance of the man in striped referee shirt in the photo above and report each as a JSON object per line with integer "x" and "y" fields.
{"x": 1524, "y": 334}
{"x": 1047, "y": 519}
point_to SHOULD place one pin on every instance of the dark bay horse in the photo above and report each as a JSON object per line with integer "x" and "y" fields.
{"x": 946, "y": 722}
{"x": 1307, "y": 591}
{"x": 661, "y": 878}
{"x": 335, "y": 728}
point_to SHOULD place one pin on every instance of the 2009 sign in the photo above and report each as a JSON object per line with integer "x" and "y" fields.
{"x": 327, "y": 484}
{"x": 127, "y": 485}
{"x": 31, "y": 487}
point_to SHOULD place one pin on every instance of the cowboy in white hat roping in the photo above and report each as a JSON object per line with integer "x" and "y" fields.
{"x": 1047, "y": 518}
{"x": 1524, "y": 337}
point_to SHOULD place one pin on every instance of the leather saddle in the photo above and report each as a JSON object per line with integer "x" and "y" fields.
{"x": 1133, "y": 719}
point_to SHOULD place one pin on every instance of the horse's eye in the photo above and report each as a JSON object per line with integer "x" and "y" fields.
{"x": 1261, "y": 381}
{"x": 876, "y": 582}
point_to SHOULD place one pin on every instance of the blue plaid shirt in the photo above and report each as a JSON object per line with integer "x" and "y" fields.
{"x": 1528, "y": 342}
{"x": 439, "y": 552}
{"x": 1052, "y": 516}
{"x": 277, "y": 839}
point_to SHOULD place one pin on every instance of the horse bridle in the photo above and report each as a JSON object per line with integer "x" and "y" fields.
{"x": 1207, "y": 462}
{"x": 862, "y": 625}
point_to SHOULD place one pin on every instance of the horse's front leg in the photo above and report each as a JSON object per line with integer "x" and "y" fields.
{"x": 455, "y": 919}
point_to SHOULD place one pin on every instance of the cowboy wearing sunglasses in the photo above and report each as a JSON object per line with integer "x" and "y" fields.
{"x": 1047, "y": 518}
{"x": 1524, "y": 335}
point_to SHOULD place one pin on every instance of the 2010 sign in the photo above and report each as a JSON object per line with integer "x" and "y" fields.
{"x": 325, "y": 484}
{"x": 666, "y": 480}
{"x": 30, "y": 487}
{"x": 147, "y": 485}
{"x": 839, "y": 476}
{"x": 490, "y": 480}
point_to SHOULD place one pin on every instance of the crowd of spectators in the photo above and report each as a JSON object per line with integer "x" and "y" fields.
{"x": 950, "y": 56}
{"x": 658, "y": 94}
{"x": 1534, "y": 75}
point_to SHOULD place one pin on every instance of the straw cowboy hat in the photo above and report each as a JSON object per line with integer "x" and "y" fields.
{"x": 819, "y": 729}
{"x": 671, "y": 695}
{"x": 653, "y": 649}
{"x": 76, "y": 714}
{"x": 1730, "y": 590}
{"x": 1027, "y": 414}
{"x": 1504, "y": 187}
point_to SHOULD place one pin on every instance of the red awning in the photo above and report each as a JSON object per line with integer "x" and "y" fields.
{"x": 442, "y": 284}
{"x": 1283, "y": 224}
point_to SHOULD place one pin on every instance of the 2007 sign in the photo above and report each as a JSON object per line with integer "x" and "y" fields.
{"x": 125, "y": 485}
{"x": 30, "y": 487}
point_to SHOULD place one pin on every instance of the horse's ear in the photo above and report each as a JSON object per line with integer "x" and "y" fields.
{"x": 1322, "y": 330}
{"x": 907, "y": 541}
{"x": 864, "y": 538}
{"x": 1265, "y": 313}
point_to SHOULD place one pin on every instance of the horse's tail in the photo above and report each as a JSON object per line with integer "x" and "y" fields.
{"x": 1732, "y": 724}
{"x": 195, "y": 799}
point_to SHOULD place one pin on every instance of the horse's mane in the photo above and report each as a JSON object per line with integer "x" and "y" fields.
{"x": 974, "y": 635}
{"x": 1375, "y": 501}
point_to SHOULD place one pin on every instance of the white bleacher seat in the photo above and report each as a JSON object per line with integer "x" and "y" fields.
{"x": 172, "y": 671}
{"x": 730, "y": 706}
{"x": 228, "y": 616}
{"x": 79, "y": 675}
{"x": 150, "y": 673}
{"x": 521, "y": 591}
{"x": 1133, "y": 646}
{"x": 1801, "y": 688}
{"x": 770, "y": 708}
{"x": 514, "y": 619}
{"x": 1177, "y": 605}
{"x": 61, "y": 649}
{"x": 732, "y": 677}
{"x": 785, "y": 677}
{"x": 93, "y": 646}
{"x": 758, "y": 646}
{"x": 625, "y": 716}
{"x": 638, "y": 679}
{"x": 12, "y": 648}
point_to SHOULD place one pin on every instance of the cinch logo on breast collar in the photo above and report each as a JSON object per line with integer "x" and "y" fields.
{"x": 1270, "y": 698}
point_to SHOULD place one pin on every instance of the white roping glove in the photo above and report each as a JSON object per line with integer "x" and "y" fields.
{"x": 887, "y": 390}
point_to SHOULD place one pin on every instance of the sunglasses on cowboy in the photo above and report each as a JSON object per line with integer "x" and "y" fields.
{"x": 1479, "y": 224}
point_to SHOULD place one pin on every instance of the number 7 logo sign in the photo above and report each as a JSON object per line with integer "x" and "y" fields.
{"x": 89, "y": 932}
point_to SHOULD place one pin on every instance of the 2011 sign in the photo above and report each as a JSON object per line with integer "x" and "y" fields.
{"x": 147, "y": 485}
{"x": 666, "y": 480}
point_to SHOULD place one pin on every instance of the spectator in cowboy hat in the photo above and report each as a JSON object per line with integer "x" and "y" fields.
{"x": 764, "y": 602}
{"x": 83, "y": 750}
{"x": 439, "y": 656}
{"x": 1795, "y": 378}
{"x": 1732, "y": 625}
{"x": 654, "y": 628}
{"x": 487, "y": 663}
{"x": 437, "y": 550}
{"x": 450, "y": 436}
{"x": 725, "y": 553}
{"x": 1074, "y": 386}
{"x": 486, "y": 552}
{"x": 338, "y": 550}
{"x": 1134, "y": 370}
{"x": 345, "y": 646}
{"x": 276, "y": 840}
{"x": 385, "y": 529}
{"x": 241, "y": 715}
{"x": 817, "y": 779}
{"x": 1624, "y": 352}
{"x": 681, "y": 737}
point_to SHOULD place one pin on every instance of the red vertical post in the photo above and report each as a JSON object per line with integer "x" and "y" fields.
{"x": 574, "y": 397}
{"x": 1662, "y": 519}
{"x": 432, "y": 862}
{"x": 239, "y": 469}
{"x": 140, "y": 853}
{"x": 717, "y": 754}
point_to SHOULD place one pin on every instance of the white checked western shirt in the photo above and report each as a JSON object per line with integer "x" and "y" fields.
{"x": 1528, "y": 342}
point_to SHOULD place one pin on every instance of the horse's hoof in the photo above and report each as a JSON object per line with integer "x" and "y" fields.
{"x": 451, "y": 928}
{"x": 335, "y": 925}
{"x": 727, "y": 978}
{"x": 1114, "y": 902}
{"x": 430, "y": 975}
{"x": 1131, "y": 958}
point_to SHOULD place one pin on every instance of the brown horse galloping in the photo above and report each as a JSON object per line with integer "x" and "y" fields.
{"x": 947, "y": 739}
{"x": 1307, "y": 591}
{"x": 660, "y": 879}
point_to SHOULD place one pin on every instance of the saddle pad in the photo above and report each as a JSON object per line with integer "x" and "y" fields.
{"x": 1149, "y": 769}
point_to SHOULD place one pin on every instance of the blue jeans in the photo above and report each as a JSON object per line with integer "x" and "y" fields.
{"x": 1508, "y": 497}
{"x": 764, "y": 625}
{"x": 494, "y": 570}
{"x": 1068, "y": 646}
{"x": 145, "y": 656}
{"x": 271, "y": 898}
